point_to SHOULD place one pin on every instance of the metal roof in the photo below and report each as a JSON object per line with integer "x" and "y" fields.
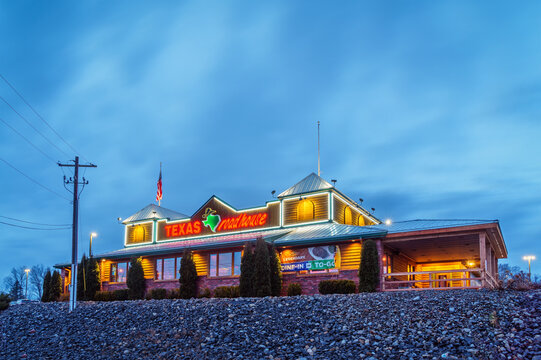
{"x": 327, "y": 232}
{"x": 152, "y": 211}
{"x": 214, "y": 242}
{"x": 310, "y": 183}
{"x": 426, "y": 224}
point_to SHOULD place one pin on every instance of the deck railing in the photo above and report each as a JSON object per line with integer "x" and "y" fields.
{"x": 441, "y": 280}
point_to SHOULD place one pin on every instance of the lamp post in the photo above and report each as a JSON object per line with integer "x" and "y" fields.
{"x": 26, "y": 271}
{"x": 529, "y": 259}
{"x": 92, "y": 234}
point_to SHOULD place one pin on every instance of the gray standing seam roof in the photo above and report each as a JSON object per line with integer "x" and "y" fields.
{"x": 152, "y": 211}
{"x": 310, "y": 183}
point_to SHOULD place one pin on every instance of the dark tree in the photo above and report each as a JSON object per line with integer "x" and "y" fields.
{"x": 369, "y": 267}
{"x": 262, "y": 271}
{"x": 16, "y": 291}
{"x": 46, "y": 295}
{"x": 275, "y": 272}
{"x": 81, "y": 279}
{"x": 37, "y": 274}
{"x": 246, "y": 281}
{"x": 56, "y": 286}
{"x": 136, "y": 279}
{"x": 188, "y": 276}
{"x": 93, "y": 279}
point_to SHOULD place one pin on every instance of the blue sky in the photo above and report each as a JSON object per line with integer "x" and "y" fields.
{"x": 427, "y": 110}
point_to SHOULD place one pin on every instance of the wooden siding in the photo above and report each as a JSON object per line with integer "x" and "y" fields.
{"x": 440, "y": 267}
{"x": 149, "y": 266}
{"x": 339, "y": 207}
{"x": 350, "y": 256}
{"x": 201, "y": 261}
{"x": 399, "y": 264}
{"x": 321, "y": 209}
{"x": 130, "y": 232}
{"x": 105, "y": 271}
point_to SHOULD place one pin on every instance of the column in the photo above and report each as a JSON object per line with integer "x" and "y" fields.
{"x": 379, "y": 246}
{"x": 482, "y": 255}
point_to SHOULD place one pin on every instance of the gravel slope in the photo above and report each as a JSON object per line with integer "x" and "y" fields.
{"x": 429, "y": 325}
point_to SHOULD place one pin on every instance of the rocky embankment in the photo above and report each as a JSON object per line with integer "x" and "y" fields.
{"x": 420, "y": 325}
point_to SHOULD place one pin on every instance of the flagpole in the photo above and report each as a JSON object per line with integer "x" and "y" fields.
{"x": 160, "y": 199}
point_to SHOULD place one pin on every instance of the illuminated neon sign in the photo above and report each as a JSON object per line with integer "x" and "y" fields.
{"x": 176, "y": 230}
{"x": 243, "y": 221}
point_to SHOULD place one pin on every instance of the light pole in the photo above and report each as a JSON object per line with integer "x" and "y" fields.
{"x": 92, "y": 234}
{"x": 26, "y": 271}
{"x": 529, "y": 259}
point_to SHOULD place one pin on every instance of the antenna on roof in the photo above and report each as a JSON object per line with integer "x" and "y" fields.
{"x": 333, "y": 182}
{"x": 273, "y": 192}
{"x": 318, "y": 162}
{"x": 373, "y": 209}
{"x": 361, "y": 200}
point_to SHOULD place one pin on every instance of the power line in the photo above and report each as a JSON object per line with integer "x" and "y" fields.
{"x": 34, "y": 223}
{"x": 34, "y": 181}
{"x": 39, "y": 116}
{"x": 32, "y": 126}
{"x": 33, "y": 228}
{"x": 28, "y": 141}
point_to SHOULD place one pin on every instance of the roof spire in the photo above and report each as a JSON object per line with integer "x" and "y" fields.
{"x": 318, "y": 163}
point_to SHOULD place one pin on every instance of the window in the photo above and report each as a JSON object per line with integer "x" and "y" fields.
{"x": 348, "y": 218}
{"x": 119, "y": 272}
{"x": 387, "y": 264}
{"x": 139, "y": 234}
{"x": 305, "y": 210}
{"x": 225, "y": 264}
{"x": 167, "y": 268}
{"x": 360, "y": 221}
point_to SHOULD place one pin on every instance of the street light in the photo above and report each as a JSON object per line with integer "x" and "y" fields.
{"x": 529, "y": 259}
{"x": 26, "y": 271}
{"x": 92, "y": 234}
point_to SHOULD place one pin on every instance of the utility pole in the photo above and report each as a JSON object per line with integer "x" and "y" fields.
{"x": 318, "y": 167}
{"x": 74, "y": 239}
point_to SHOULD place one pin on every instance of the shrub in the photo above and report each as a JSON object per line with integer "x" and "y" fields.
{"x": 46, "y": 297}
{"x": 206, "y": 293}
{"x": 275, "y": 272}
{"x": 136, "y": 279}
{"x": 262, "y": 272}
{"x": 158, "y": 294}
{"x": 294, "y": 289}
{"x": 4, "y": 301}
{"x": 336, "y": 287}
{"x": 121, "y": 295}
{"x": 173, "y": 294}
{"x": 56, "y": 286}
{"x": 104, "y": 296}
{"x": 226, "y": 292}
{"x": 93, "y": 279}
{"x": 246, "y": 281}
{"x": 369, "y": 267}
{"x": 188, "y": 276}
{"x": 81, "y": 280}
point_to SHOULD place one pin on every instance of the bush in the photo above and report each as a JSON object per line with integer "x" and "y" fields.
{"x": 93, "y": 279}
{"x": 136, "y": 279}
{"x": 121, "y": 295}
{"x": 246, "y": 281}
{"x": 275, "y": 272}
{"x": 104, "y": 296}
{"x": 294, "y": 289}
{"x": 262, "y": 271}
{"x": 336, "y": 287}
{"x": 227, "y": 292}
{"x": 56, "y": 286}
{"x": 188, "y": 276}
{"x": 205, "y": 293}
{"x": 158, "y": 294}
{"x": 369, "y": 267}
{"x": 173, "y": 294}
{"x": 4, "y": 301}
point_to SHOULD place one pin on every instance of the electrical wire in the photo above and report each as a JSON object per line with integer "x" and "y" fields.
{"x": 34, "y": 181}
{"x": 33, "y": 127}
{"x": 28, "y": 141}
{"x": 34, "y": 223}
{"x": 39, "y": 116}
{"x": 33, "y": 228}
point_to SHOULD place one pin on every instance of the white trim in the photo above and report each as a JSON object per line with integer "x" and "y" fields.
{"x": 356, "y": 208}
{"x": 297, "y": 197}
{"x": 307, "y": 223}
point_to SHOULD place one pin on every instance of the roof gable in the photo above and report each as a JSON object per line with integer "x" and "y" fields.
{"x": 310, "y": 183}
{"x": 153, "y": 211}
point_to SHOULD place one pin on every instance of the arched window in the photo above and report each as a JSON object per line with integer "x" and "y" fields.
{"x": 305, "y": 210}
{"x": 360, "y": 221}
{"x": 348, "y": 218}
{"x": 139, "y": 234}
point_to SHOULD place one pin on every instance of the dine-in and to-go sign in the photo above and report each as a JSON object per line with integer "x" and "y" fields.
{"x": 311, "y": 258}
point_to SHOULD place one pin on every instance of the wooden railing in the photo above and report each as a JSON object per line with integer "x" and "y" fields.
{"x": 418, "y": 280}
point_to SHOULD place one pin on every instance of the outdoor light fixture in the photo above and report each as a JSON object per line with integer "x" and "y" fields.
{"x": 529, "y": 259}
{"x": 92, "y": 235}
{"x": 26, "y": 271}
{"x": 388, "y": 222}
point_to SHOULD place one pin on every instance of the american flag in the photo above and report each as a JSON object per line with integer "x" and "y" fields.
{"x": 159, "y": 194}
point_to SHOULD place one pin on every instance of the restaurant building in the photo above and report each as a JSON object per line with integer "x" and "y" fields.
{"x": 318, "y": 232}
